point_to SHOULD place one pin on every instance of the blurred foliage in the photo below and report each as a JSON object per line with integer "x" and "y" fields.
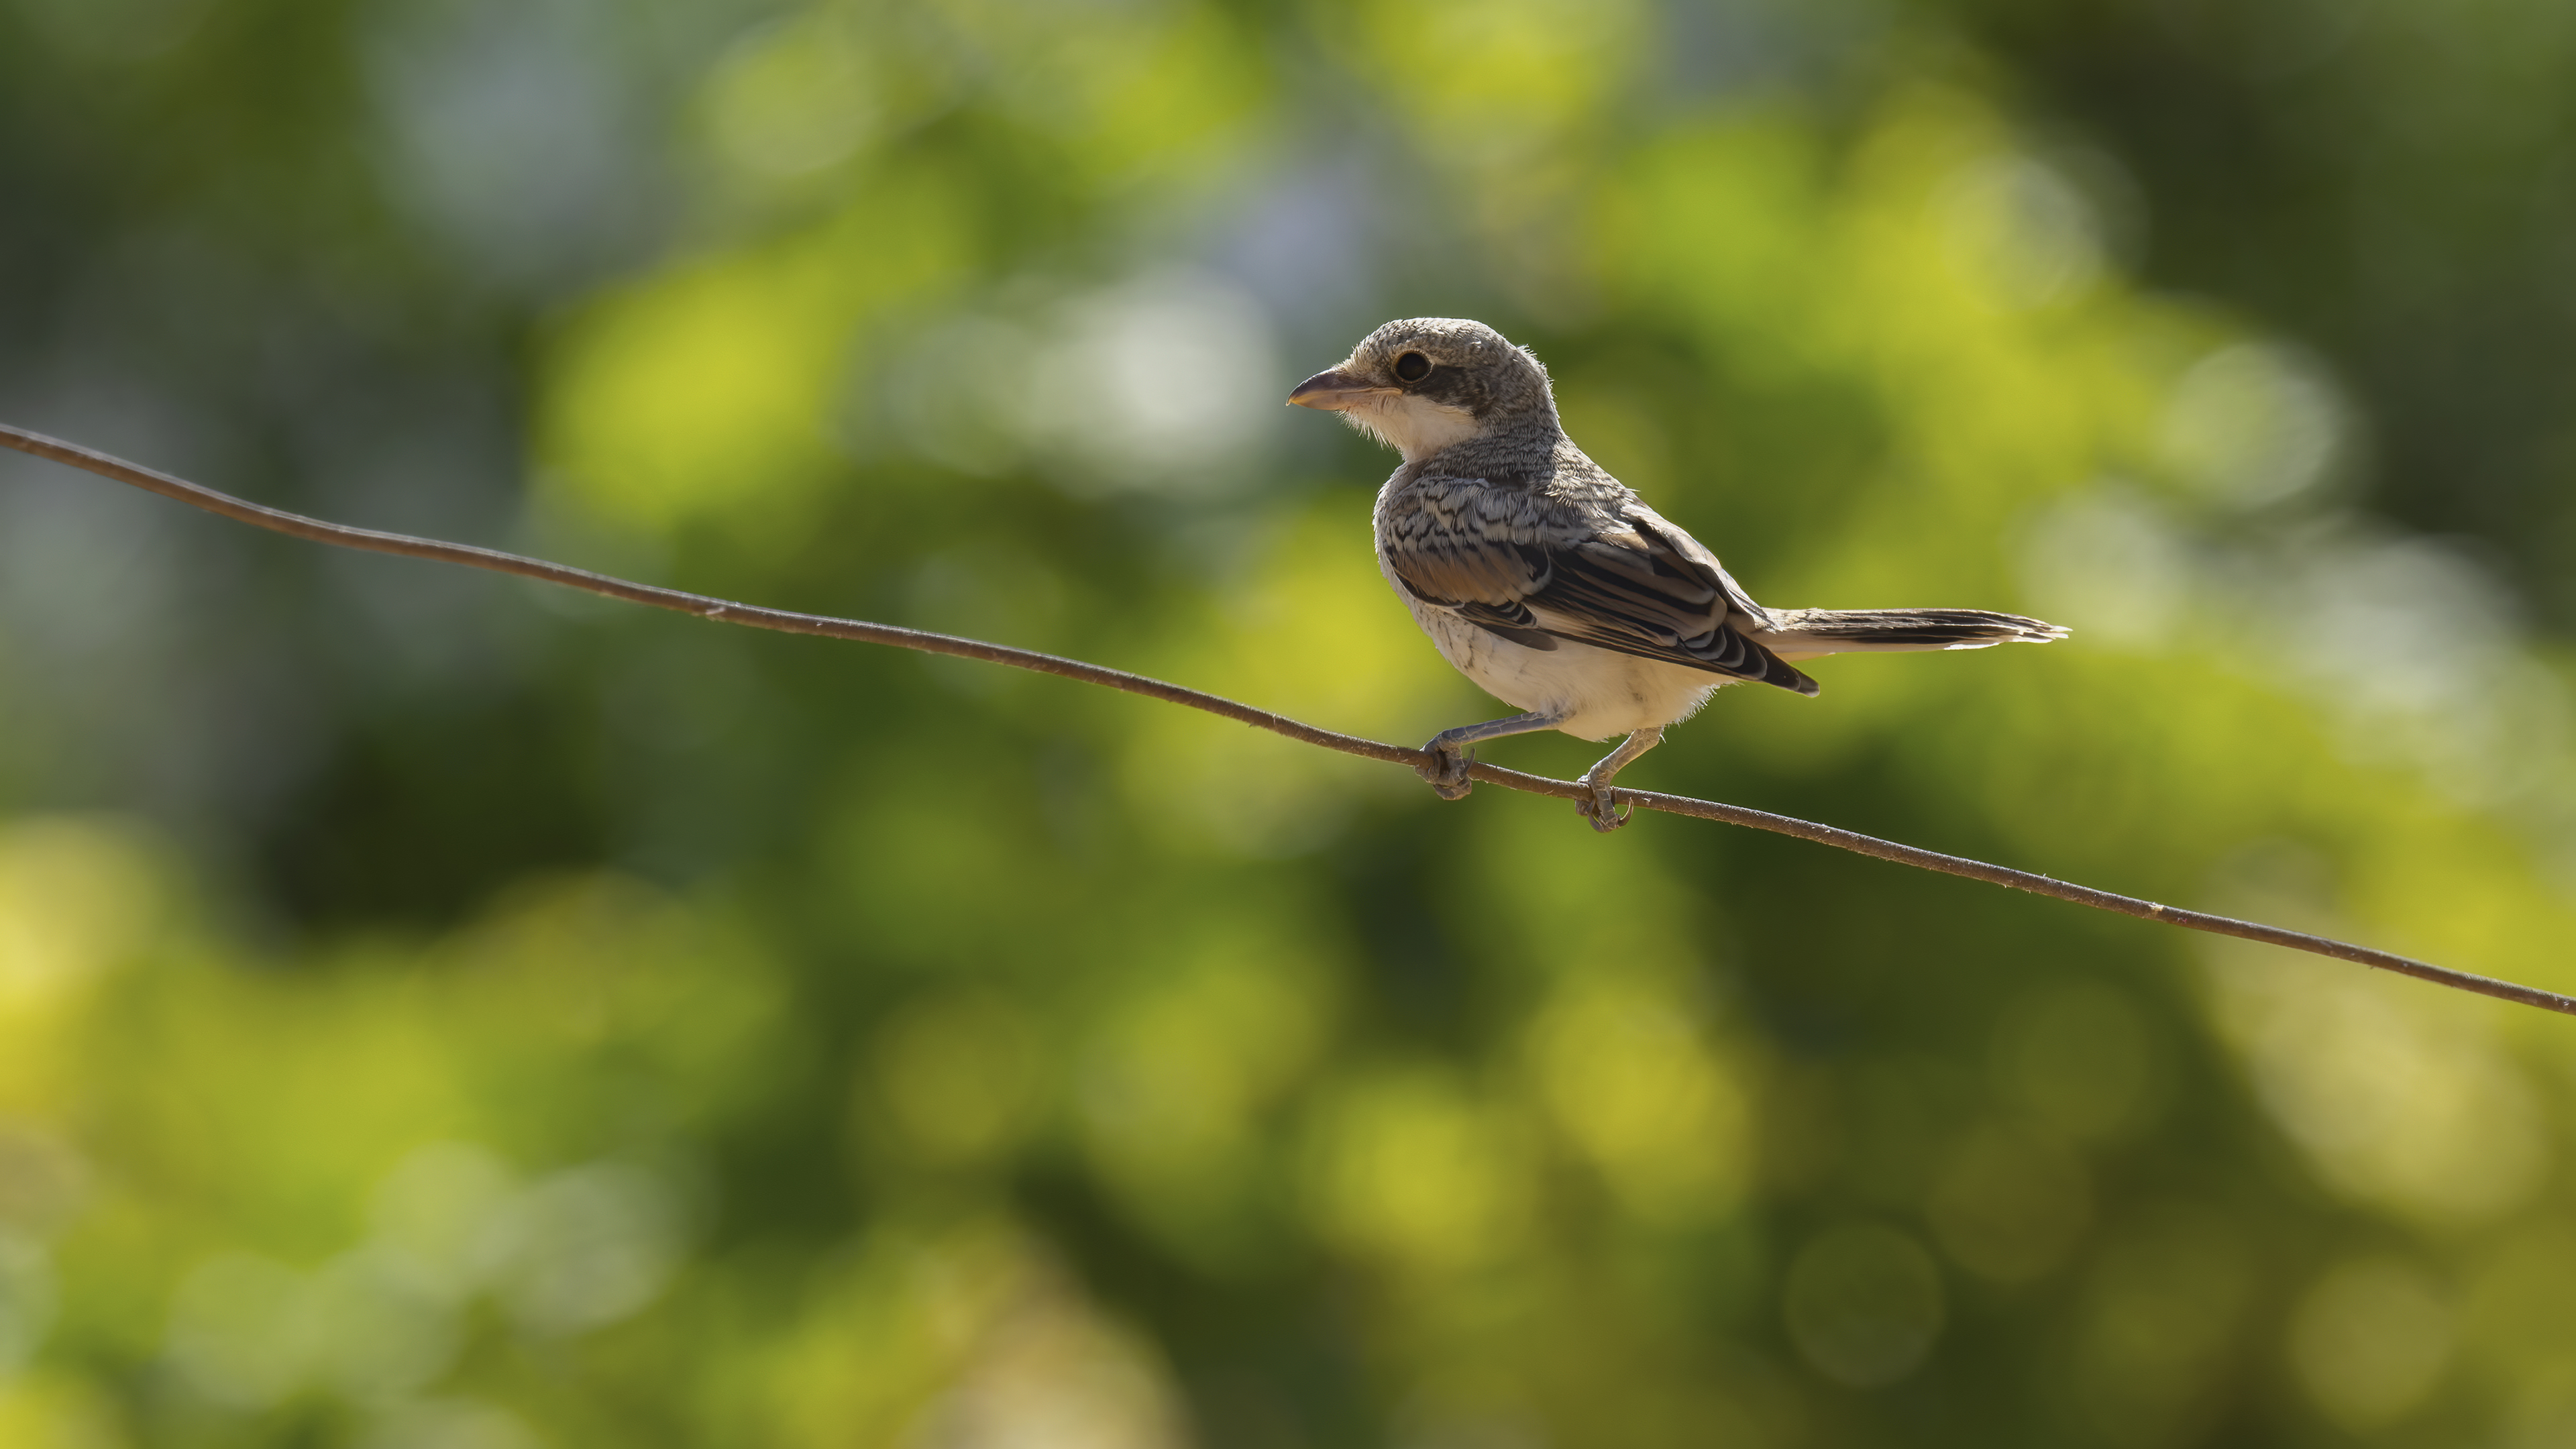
{"x": 2395, "y": 184}
{"x": 436, "y": 1013}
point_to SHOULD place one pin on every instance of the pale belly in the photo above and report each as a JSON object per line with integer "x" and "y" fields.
{"x": 1602, "y": 692}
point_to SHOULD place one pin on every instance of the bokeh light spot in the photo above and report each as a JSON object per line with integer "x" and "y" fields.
{"x": 1864, "y": 1305}
{"x": 2370, "y": 1339}
{"x": 1408, "y": 1167}
{"x": 959, "y": 1076}
{"x": 1630, "y": 1080}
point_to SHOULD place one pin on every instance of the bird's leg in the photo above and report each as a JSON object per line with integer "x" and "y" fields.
{"x": 1448, "y": 774}
{"x": 1603, "y": 814}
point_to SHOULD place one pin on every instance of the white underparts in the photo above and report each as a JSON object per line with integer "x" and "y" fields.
{"x": 1595, "y": 693}
{"x": 1414, "y": 426}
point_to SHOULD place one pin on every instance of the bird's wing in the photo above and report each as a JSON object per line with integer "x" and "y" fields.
{"x": 1691, "y": 553}
{"x": 1624, "y": 580}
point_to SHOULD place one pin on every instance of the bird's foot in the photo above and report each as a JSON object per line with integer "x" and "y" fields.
{"x": 1602, "y": 809}
{"x": 1447, "y": 776}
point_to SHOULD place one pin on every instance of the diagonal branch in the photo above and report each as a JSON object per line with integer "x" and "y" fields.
{"x": 726, "y": 611}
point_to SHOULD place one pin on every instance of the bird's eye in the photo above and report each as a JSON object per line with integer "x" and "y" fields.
{"x": 1412, "y": 367}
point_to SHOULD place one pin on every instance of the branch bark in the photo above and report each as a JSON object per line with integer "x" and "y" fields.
{"x": 296, "y": 525}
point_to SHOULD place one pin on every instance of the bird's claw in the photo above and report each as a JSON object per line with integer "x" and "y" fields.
{"x": 1602, "y": 809}
{"x": 1448, "y": 776}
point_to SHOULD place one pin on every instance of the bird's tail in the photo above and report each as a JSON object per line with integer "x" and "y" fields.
{"x": 1807, "y": 633}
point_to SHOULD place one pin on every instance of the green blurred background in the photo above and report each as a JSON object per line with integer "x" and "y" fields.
{"x": 438, "y": 1012}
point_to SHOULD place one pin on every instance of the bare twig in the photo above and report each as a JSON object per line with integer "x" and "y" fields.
{"x": 726, "y": 611}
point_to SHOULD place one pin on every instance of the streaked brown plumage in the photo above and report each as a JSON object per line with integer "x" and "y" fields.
{"x": 1552, "y": 585}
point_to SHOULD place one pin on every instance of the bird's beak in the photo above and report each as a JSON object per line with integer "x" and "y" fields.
{"x": 1333, "y": 391}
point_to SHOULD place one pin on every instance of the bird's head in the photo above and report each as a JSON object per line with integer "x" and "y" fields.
{"x": 1426, "y": 383}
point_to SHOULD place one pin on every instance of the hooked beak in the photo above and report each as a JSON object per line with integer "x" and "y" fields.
{"x": 1331, "y": 392}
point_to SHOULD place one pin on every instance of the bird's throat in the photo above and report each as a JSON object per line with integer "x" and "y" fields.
{"x": 1414, "y": 426}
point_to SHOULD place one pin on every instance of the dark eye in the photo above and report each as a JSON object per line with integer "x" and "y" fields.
{"x": 1412, "y": 367}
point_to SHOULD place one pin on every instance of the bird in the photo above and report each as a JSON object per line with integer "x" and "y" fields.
{"x": 1551, "y": 584}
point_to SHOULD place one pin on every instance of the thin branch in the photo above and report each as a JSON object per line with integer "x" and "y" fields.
{"x": 726, "y": 611}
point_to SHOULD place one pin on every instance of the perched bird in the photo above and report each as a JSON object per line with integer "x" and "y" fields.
{"x": 1549, "y": 583}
